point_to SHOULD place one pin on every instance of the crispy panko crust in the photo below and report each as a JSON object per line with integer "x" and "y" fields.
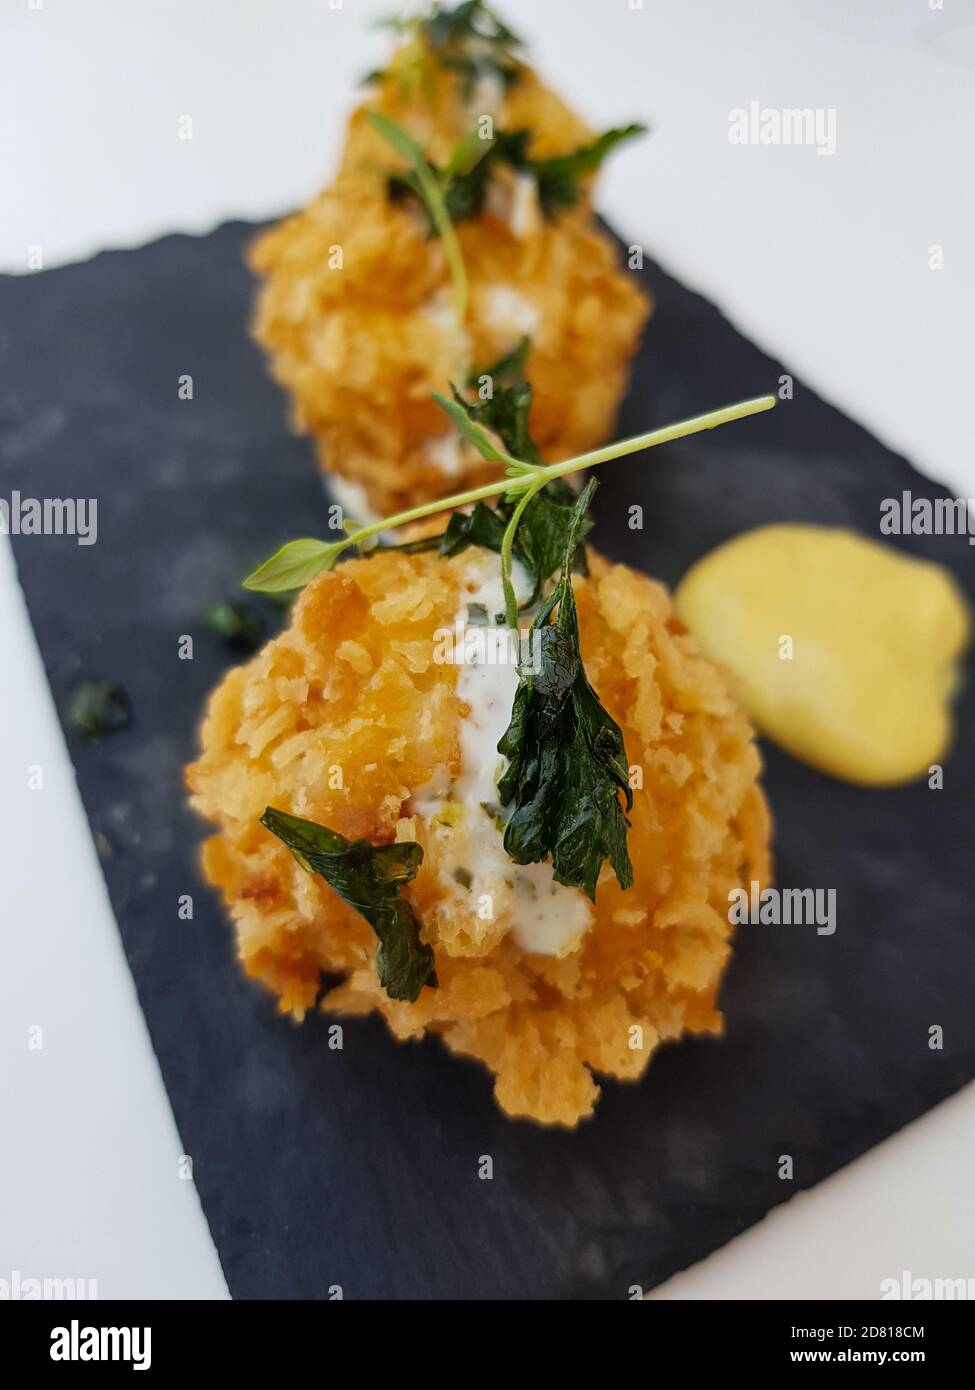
{"x": 346, "y": 714}
{"x": 359, "y": 348}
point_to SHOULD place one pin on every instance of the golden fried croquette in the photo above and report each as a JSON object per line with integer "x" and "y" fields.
{"x": 354, "y": 311}
{"x": 347, "y": 719}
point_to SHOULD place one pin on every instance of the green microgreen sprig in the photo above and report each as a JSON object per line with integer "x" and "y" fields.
{"x": 297, "y": 562}
{"x": 427, "y": 184}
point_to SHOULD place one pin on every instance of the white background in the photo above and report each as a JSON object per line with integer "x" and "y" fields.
{"x": 823, "y": 261}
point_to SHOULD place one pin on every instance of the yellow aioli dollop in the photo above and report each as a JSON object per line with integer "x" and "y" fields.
{"x": 843, "y": 650}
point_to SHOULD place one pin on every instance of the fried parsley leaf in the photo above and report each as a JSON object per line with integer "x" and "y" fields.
{"x": 507, "y": 369}
{"x": 367, "y": 877}
{"x": 543, "y": 531}
{"x": 470, "y": 20}
{"x": 457, "y": 191}
{"x": 97, "y": 709}
{"x": 505, "y": 412}
{"x": 237, "y": 623}
{"x": 567, "y": 761}
{"x": 473, "y": 70}
{"x": 539, "y": 542}
{"x": 560, "y": 178}
{"x": 470, "y": 427}
{"x": 468, "y": 39}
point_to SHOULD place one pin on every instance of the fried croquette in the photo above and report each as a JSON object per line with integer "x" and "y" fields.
{"x": 350, "y": 720}
{"x": 354, "y": 311}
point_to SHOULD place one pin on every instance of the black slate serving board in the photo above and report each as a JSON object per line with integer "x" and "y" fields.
{"x": 359, "y": 1168}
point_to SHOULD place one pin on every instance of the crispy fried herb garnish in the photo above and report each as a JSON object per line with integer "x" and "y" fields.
{"x": 567, "y": 762}
{"x": 539, "y": 540}
{"x": 97, "y": 709}
{"x": 470, "y": 20}
{"x": 507, "y": 370}
{"x": 367, "y": 877}
{"x": 543, "y": 530}
{"x": 547, "y": 520}
{"x": 474, "y": 70}
{"x": 558, "y": 179}
{"x": 505, "y": 412}
{"x": 238, "y": 625}
{"x": 294, "y": 566}
{"x": 468, "y": 39}
{"x": 462, "y": 182}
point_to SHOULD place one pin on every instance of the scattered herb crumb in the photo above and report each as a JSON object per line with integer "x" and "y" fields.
{"x": 97, "y": 709}
{"x": 238, "y": 625}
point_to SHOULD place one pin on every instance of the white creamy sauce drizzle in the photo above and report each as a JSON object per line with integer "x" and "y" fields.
{"x": 513, "y": 200}
{"x": 523, "y": 213}
{"x": 547, "y": 918}
{"x": 487, "y": 95}
{"x": 444, "y": 452}
{"x": 440, "y": 310}
{"x": 351, "y": 497}
{"x": 509, "y": 311}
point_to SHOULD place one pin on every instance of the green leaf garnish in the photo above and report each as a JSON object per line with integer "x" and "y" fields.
{"x": 468, "y": 39}
{"x": 542, "y": 531}
{"x": 560, "y": 178}
{"x": 567, "y": 761}
{"x": 471, "y": 20}
{"x": 539, "y": 541}
{"x": 462, "y": 182}
{"x": 469, "y": 426}
{"x": 294, "y": 565}
{"x": 97, "y": 709}
{"x": 507, "y": 370}
{"x": 505, "y": 412}
{"x": 368, "y": 877}
{"x": 474, "y": 70}
{"x": 238, "y": 625}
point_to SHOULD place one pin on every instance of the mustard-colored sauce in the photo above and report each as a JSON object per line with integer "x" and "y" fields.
{"x": 844, "y": 651}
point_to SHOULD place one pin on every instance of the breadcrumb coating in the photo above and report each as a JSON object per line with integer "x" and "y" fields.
{"x": 346, "y": 715}
{"x": 360, "y": 345}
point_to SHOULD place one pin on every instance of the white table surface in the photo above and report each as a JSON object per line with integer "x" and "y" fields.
{"x": 821, "y": 260}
